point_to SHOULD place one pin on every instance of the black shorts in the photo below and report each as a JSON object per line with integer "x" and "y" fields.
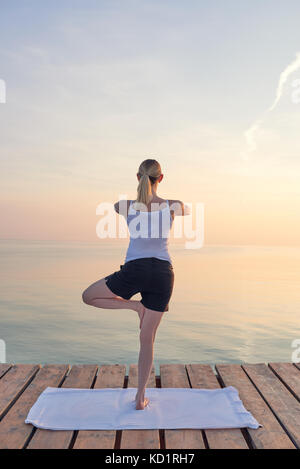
{"x": 153, "y": 278}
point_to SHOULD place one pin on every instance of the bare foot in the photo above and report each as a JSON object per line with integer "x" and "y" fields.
{"x": 141, "y": 312}
{"x": 141, "y": 404}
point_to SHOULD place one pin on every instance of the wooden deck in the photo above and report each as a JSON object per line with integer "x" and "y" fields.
{"x": 271, "y": 392}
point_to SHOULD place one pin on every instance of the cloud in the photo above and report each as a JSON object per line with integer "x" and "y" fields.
{"x": 250, "y": 134}
{"x": 291, "y": 68}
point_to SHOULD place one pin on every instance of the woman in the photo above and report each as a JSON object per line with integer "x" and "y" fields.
{"x": 147, "y": 269}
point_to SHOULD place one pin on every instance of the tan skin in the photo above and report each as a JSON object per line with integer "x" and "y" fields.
{"x": 100, "y": 296}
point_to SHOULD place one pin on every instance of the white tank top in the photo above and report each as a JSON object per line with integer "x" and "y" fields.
{"x": 149, "y": 233}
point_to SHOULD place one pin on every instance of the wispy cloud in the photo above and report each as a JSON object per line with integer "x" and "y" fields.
{"x": 291, "y": 68}
{"x": 250, "y": 133}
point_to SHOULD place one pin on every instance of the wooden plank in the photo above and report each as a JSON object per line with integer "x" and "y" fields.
{"x": 203, "y": 377}
{"x": 80, "y": 376}
{"x": 14, "y": 432}
{"x": 271, "y": 435}
{"x": 289, "y": 375}
{"x": 109, "y": 376}
{"x": 4, "y": 367}
{"x": 284, "y": 405}
{"x": 13, "y": 383}
{"x": 140, "y": 439}
{"x": 297, "y": 365}
{"x": 175, "y": 376}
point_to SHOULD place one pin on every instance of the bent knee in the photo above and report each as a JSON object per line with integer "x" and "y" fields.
{"x": 86, "y": 297}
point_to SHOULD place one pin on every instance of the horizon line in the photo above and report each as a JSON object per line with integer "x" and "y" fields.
{"x": 125, "y": 241}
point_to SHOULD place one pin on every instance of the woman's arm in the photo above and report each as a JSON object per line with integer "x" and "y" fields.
{"x": 179, "y": 208}
{"x": 121, "y": 207}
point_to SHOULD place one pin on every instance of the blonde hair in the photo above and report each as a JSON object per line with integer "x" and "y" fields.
{"x": 149, "y": 172}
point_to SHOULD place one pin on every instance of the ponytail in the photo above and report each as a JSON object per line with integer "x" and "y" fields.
{"x": 144, "y": 190}
{"x": 149, "y": 172}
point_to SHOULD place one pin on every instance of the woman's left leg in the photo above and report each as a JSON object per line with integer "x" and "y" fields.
{"x": 99, "y": 295}
{"x": 150, "y": 324}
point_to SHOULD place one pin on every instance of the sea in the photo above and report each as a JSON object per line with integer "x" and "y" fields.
{"x": 230, "y": 304}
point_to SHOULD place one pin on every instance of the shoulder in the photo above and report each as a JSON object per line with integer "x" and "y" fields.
{"x": 178, "y": 207}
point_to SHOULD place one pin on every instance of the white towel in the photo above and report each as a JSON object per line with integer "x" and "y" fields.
{"x": 114, "y": 409}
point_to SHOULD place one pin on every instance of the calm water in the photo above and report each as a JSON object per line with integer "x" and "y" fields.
{"x": 231, "y": 304}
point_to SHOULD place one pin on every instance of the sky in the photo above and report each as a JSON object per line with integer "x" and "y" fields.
{"x": 95, "y": 87}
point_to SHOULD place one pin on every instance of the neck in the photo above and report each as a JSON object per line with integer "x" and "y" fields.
{"x": 153, "y": 189}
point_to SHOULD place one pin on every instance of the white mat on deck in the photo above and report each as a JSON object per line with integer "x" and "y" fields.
{"x": 114, "y": 409}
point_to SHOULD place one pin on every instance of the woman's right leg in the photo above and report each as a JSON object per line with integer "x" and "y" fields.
{"x": 99, "y": 295}
{"x": 150, "y": 324}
